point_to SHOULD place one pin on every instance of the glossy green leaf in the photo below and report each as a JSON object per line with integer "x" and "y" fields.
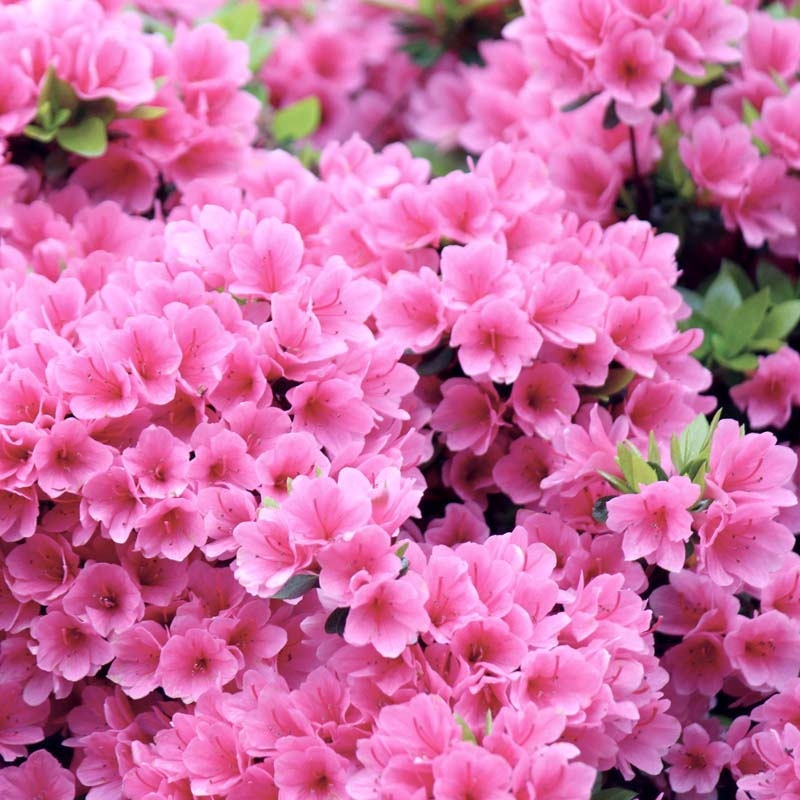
{"x": 781, "y": 287}
{"x": 712, "y": 73}
{"x": 88, "y": 138}
{"x": 144, "y": 112}
{"x": 618, "y": 483}
{"x": 296, "y": 586}
{"x": 39, "y": 134}
{"x": 579, "y": 102}
{"x": 610, "y": 117}
{"x": 466, "y": 732}
{"x": 334, "y": 624}
{"x": 296, "y": 121}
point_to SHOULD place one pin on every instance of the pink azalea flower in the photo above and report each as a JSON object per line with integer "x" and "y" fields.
{"x": 496, "y": 338}
{"x": 67, "y": 457}
{"x": 68, "y": 647}
{"x": 159, "y": 462}
{"x": 697, "y": 761}
{"x": 769, "y": 395}
{"x": 632, "y": 65}
{"x": 171, "y": 528}
{"x": 765, "y": 649}
{"x": 310, "y": 771}
{"x": 388, "y": 614}
{"x": 105, "y": 596}
{"x": 194, "y": 662}
{"x": 136, "y": 656}
{"x": 468, "y": 771}
{"x": 468, "y": 415}
{"x": 42, "y": 568}
{"x": 20, "y": 723}
{"x": 40, "y": 775}
{"x": 719, "y": 159}
{"x": 543, "y": 398}
{"x": 655, "y": 523}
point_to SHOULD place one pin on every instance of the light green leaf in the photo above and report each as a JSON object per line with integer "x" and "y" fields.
{"x": 743, "y": 324}
{"x": 749, "y": 112}
{"x": 780, "y": 320}
{"x": 260, "y": 48}
{"x": 489, "y": 722}
{"x": 144, "y": 112}
{"x": 653, "y": 453}
{"x": 713, "y": 71}
{"x": 88, "y": 138}
{"x": 297, "y": 120}
{"x": 722, "y": 298}
{"x": 619, "y": 484}
{"x": 466, "y": 732}
{"x": 39, "y": 134}
{"x": 747, "y": 362}
{"x": 643, "y": 473}
{"x": 238, "y": 19}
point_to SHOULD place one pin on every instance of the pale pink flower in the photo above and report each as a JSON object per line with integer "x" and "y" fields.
{"x": 765, "y": 649}
{"x": 42, "y": 568}
{"x": 20, "y": 723}
{"x": 769, "y": 395}
{"x": 136, "y": 655}
{"x": 171, "y": 528}
{"x": 697, "y": 761}
{"x": 632, "y": 65}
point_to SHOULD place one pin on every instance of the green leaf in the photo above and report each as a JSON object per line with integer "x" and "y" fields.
{"x": 260, "y": 48}
{"x": 297, "y": 120}
{"x": 610, "y": 118}
{"x": 270, "y": 502}
{"x": 422, "y": 52}
{"x": 296, "y": 586}
{"x": 693, "y": 438}
{"x": 579, "y": 102}
{"x": 238, "y": 19}
{"x": 780, "y": 285}
{"x": 619, "y": 484}
{"x": 653, "y": 453}
{"x": 643, "y": 473}
{"x": 618, "y": 378}
{"x": 615, "y": 794}
{"x": 39, "y": 134}
{"x": 779, "y": 81}
{"x": 489, "y": 722}
{"x": 743, "y": 324}
{"x": 780, "y": 320}
{"x": 466, "y": 732}
{"x": 600, "y": 509}
{"x": 659, "y": 470}
{"x": 766, "y": 345}
{"x": 747, "y": 362}
{"x": 739, "y": 275}
{"x": 749, "y": 112}
{"x": 88, "y": 138}
{"x": 334, "y": 624}
{"x": 401, "y": 551}
{"x": 625, "y": 462}
{"x": 436, "y": 362}
{"x": 712, "y": 73}
{"x": 722, "y": 298}
{"x": 143, "y": 112}
{"x": 442, "y": 161}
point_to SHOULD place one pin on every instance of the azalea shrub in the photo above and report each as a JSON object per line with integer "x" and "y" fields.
{"x": 399, "y": 400}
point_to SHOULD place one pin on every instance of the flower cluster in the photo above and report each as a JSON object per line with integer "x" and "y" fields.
{"x": 340, "y": 474}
